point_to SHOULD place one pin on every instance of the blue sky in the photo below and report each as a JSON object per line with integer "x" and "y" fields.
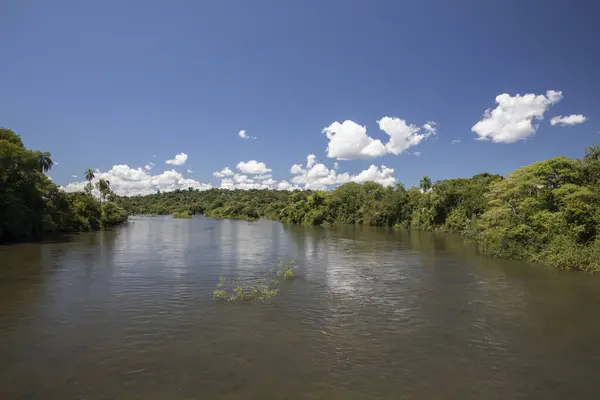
{"x": 110, "y": 83}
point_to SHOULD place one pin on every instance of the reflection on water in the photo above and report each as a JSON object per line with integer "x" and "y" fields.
{"x": 373, "y": 314}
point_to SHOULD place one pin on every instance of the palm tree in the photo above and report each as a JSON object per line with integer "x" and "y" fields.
{"x": 103, "y": 187}
{"x": 425, "y": 183}
{"x": 44, "y": 161}
{"x": 89, "y": 175}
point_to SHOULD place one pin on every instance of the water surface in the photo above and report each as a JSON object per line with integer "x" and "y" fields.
{"x": 373, "y": 314}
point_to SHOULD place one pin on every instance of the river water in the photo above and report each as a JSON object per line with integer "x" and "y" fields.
{"x": 372, "y": 314}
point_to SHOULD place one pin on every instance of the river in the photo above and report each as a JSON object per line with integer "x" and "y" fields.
{"x": 373, "y": 314}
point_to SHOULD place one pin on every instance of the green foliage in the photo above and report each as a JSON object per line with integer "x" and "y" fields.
{"x": 31, "y": 205}
{"x": 285, "y": 270}
{"x": 182, "y": 214}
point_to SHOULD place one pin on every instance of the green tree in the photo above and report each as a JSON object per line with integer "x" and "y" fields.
{"x": 425, "y": 183}
{"x": 89, "y": 175}
{"x": 103, "y": 187}
{"x": 45, "y": 162}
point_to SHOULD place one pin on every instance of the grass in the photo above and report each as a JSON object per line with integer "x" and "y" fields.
{"x": 182, "y": 214}
{"x": 261, "y": 291}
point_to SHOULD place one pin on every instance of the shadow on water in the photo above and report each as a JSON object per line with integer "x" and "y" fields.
{"x": 374, "y": 314}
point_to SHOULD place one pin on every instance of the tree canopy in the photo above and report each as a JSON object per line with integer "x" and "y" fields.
{"x": 31, "y": 205}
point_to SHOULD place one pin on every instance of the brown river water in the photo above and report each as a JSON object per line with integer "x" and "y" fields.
{"x": 373, "y": 314}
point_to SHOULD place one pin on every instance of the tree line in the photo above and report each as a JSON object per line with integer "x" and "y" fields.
{"x": 546, "y": 212}
{"x": 32, "y": 206}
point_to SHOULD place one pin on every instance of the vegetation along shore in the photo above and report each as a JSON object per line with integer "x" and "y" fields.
{"x": 546, "y": 212}
{"x": 31, "y": 206}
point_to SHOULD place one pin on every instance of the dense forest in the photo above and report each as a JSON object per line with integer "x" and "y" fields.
{"x": 546, "y": 212}
{"x": 31, "y": 205}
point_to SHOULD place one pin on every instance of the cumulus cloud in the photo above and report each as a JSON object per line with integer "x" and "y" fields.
{"x": 223, "y": 173}
{"x": 243, "y": 135}
{"x": 285, "y": 185}
{"x": 512, "y": 120}
{"x": 245, "y": 184}
{"x": 149, "y": 166}
{"x": 317, "y": 176}
{"x": 179, "y": 159}
{"x": 456, "y": 141}
{"x": 336, "y": 165}
{"x": 349, "y": 140}
{"x": 128, "y": 181}
{"x": 262, "y": 177}
{"x": 572, "y": 119}
{"x": 253, "y": 167}
{"x": 242, "y": 179}
{"x": 382, "y": 175}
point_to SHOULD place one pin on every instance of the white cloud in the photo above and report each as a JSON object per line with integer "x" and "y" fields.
{"x": 317, "y": 176}
{"x": 382, "y": 175}
{"x": 229, "y": 183}
{"x": 403, "y": 136}
{"x": 242, "y": 179}
{"x": 572, "y": 119}
{"x": 417, "y": 153}
{"x": 456, "y": 141}
{"x": 179, "y": 159}
{"x": 296, "y": 169}
{"x": 253, "y": 167}
{"x": 243, "y": 135}
{"x": 348, "y": 140}
{"x": 153, "y": 155}
{"x": 262, "y": 177}
{"x": 285, "y": 185}
{"x": 223, "y": 173}
{"x": 512, "y": 120}
{"x": 149, "y": 166}
{"x": 190, "y": 171}
{"x": 336, "y": 165}
{"x": 74, "y": 176}
{"x": 128, "y": 181}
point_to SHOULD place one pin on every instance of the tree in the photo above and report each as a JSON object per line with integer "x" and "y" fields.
{"x": 425, "y": 183}
{"x": 592, "y": 153}
{"x": 45, "y": 163}
{"x": 89, "y": 175}
{"x": 103, "y": 187}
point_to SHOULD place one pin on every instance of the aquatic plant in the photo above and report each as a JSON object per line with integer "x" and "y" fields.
{"x": 235, "y": 290}
{"x": 262, "y": 290}
{"x": 286, "y": 269}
